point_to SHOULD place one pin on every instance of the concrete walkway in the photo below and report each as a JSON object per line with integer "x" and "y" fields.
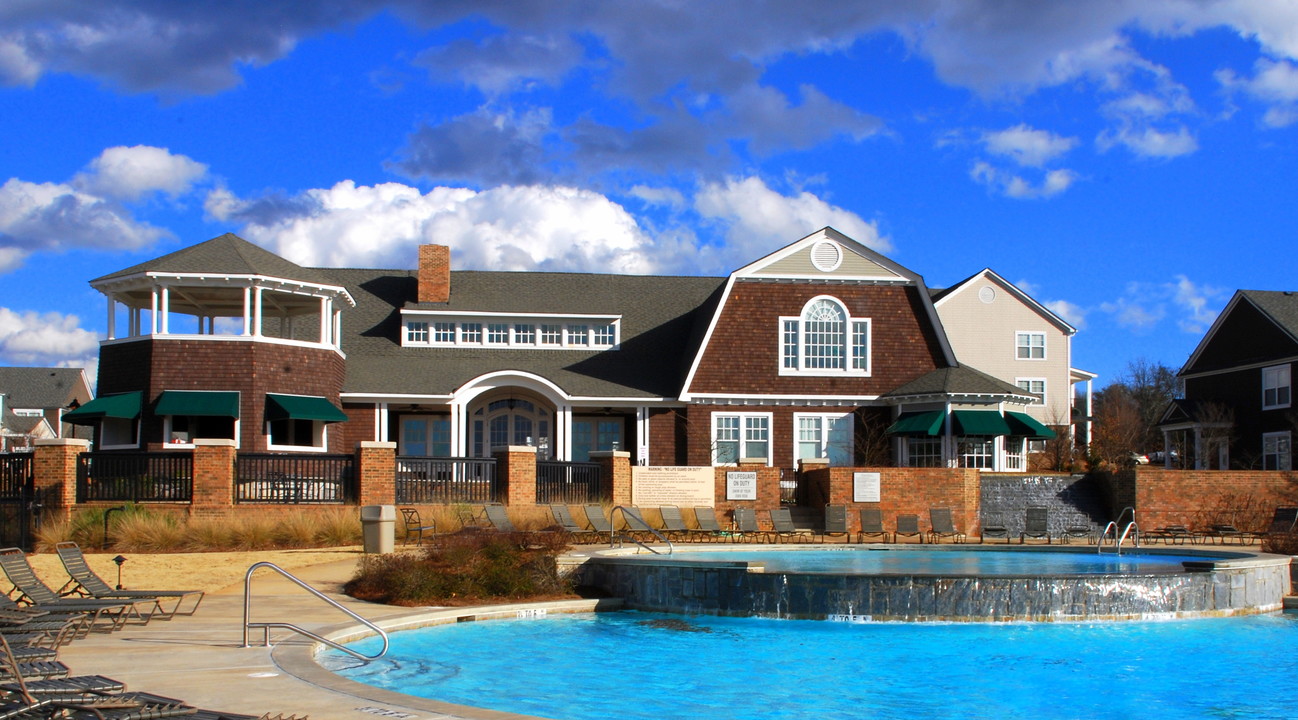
{"x": 200, "y": 659}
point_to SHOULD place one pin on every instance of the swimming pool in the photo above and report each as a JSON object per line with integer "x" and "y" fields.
{"x": 953, "y": 561}
{"x": 643, "y": 666}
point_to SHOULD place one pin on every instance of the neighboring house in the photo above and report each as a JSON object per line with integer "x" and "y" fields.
{"x": 1238, "y": 409}
{"x": 33, "y": 401}
{"x": 999, "y": 329}
{"x": 823, "y": 349}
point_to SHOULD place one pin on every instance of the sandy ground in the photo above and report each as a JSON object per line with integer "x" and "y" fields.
{"x": 186, "y": 571}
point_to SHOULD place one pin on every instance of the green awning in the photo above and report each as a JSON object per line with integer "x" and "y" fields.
{"x": 302, "y": 407}
{"x": 125, "y": 406}
{"x": 1024, "y": 425}
{"x": 198, "y": 403}
{"x": 923, "y": 423}
{"x": 979, "y": 422}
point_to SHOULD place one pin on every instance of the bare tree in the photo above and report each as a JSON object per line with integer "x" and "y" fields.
{"x": 1151, "y": 386}
{"x": 1119, "y": 429}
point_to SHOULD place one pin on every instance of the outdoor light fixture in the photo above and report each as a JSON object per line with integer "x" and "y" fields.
{"x": 119, "y": 560}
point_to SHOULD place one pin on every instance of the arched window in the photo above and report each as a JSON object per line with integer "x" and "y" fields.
{"x": 825, "y": 340}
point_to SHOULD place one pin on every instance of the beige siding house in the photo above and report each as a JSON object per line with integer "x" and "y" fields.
{"x": 999, "y": 329}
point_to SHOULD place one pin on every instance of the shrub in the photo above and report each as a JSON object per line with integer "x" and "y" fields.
{"x": 466, "y": 568}
{"x": 1281, "y": 543}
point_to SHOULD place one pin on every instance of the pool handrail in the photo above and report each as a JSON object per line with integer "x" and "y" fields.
{"x": 613, "y": 536}
{"x": 1131, "y": 529}
{"x": 266, "y": 626}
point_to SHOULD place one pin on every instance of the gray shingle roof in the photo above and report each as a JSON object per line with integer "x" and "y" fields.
{"x": 20, "y": 425}
{"x": 1280, "y": 306}
{"x": 38, "y": 387}
{"x": 660, "y": 331}
{"x": 228, "y": 254}
{"x": 959, "y": 380}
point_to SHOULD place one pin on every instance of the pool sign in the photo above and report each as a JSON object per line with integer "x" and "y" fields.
{"x": 865, "y": 487}
{"x": 741, "y": 485}
{"x": 683, "y": 486}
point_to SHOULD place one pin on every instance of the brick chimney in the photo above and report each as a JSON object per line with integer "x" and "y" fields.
{"x": 434, "y": 274}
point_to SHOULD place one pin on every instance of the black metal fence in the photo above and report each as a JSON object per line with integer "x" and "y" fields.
{"x": 135, "y": 477}
{"x": 295, "y": 479}
{"x": 447, "y": 480}
{"x": 571, "y": 483}
{"x": 15, "y": 472}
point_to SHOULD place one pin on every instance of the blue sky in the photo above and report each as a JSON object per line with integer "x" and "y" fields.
{"x": 1129, "y": 164}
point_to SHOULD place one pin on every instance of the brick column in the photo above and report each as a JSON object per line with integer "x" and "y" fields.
{"x": 517, "y": 464}
{"x": 213, "y": 478}
{"x": 614, "y": 474}
{"x": 376, "y": 470}
{"x": 54, "y": 467}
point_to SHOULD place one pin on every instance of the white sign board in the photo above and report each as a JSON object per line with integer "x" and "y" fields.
{"x": 741, "y": 485}
{"x": 865, "y": 487}
{"x": 652, "y": 486}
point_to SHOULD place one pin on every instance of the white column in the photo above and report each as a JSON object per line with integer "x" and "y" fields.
{"x": 381, "y": 422}
{"x": 166, "y": 310}
{"x": 256, "y": 311}
{"x": 247, "y": 311}
{"x": 338, "y": 329}
{"x": 153, "y": 311}
{"x": 326, "y": 320}
{"x": 642, "y": 434}
{"x": 563, "y": 433}
{"x": 112, "y": 318}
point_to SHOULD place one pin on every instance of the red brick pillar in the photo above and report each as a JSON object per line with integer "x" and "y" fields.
{"x": 376, "y": 470}
{"x": 54, "y": 466}
{"x": 614, "y": 474}
{"x": 213, "y": 478}
{"x": 517, "y": 464}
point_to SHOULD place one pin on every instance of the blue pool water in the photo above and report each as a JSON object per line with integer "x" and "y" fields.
{"x": 642, "y": 666}
{"x": 947, "y": 562}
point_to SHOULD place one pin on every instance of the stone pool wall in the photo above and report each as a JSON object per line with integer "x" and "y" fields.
{"x": 733, "y": 588}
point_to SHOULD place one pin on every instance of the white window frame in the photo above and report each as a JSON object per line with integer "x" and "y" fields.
{"x": 524, "y": 334}
{"x": 791, "y": 333}
{"x": 1020, "y": 382}
{"x": 497, "y": 333}
{"x": 911, "y": 441}
{"x": 135, "y": 424}
{"x": 823, "y": 421}
{"x": 319, "y": 436}
{"x": 507, "y": 330}
{"x": 417, "y": 332}
{"x": 743, "y": 440}
{"x": 1023, "y": 341}
{"x": 1280, "y": 447}
{"x": 443, "y": 333}
{"x": 962, "y": 457}
{"x": 1277, "y": 380}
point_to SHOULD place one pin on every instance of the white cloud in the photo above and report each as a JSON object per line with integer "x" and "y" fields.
{"x": 1027, "y": 146}
{"x": 46, "y": 339}
{"x": 1071, "y": 313}
{"x": 1193, "y": 300}
{"x": 1012, "y": 185}
{"x": 760, "y": 219}
{"x": 129, "y": 173}
{"x": 1145, "y": 304}
{"x": 1274, "y": 84}
{"x": 659, "y": 196}
{"x": 504, "y": 228}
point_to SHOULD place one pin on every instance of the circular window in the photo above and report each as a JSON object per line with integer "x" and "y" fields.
{"x": 987, "y": 294}
{"x": 826, "y": 256}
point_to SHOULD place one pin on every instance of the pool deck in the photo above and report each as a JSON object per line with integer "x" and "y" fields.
{"x": 201, "y": 660}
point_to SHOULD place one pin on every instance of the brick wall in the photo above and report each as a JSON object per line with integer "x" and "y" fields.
{"x": 1199, "y": 498}
{"x": 905, "y": 491}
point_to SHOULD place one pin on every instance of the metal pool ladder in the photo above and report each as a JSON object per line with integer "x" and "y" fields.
{"x": 1131, "y": 529}
{"x": 266, "y": 626}
{"x": 612, "y": 534}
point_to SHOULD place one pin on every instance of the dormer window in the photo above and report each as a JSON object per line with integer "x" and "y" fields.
{"x": 824, "y": 340}
{"x": 423, "y": 328}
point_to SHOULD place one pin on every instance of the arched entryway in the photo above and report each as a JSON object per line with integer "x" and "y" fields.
{"x": 511, "y": 419}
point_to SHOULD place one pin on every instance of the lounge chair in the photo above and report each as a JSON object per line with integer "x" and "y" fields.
{"x": 563, "y": 517}
{"x": 103, "y": 614}
{"x": 598, "y": 521}
{"x": 746, "y": 525}
{"x": 942, "y": 526}
{"x": 836, "y": 521}
{"x": 415, "y": 527}
{"x": 86, "y": 582}
{"x": 1172, "y": 535}
{"x": 499, "y": 518}
{"x": 674, "y": 523}
{"x": 1036, "y": 524}
{"x": 1078, "y": 527}
{"x": 782, "y": 524}
{"x": 1283, "y": 522}
{"x": 872, "y": 524}
{"x": 993, "y": 526}
{"x": 907, "y": 525}
{"x": 636, "y": 526}
{"x": 706, "y": 518}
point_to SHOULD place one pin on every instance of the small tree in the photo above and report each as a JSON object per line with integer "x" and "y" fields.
{"x": 1119, "y": 428}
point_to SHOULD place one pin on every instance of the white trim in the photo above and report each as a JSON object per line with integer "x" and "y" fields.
{"x": 1241, "y": 368}
{"x": 151, "y": 278}
{"x": 319, "y": 426}
{"x": 743, "y": 442}
{"x": 1287, "y": 457}
{"x": 1029, "y": 334}
{"x": 225, "y": 338}
{"x": 824, "y": 417}
{"x": 511, "y": 321}
{"x": 1285, "y": 383}
{"x": 1045, "y": 388}
{"x": 1012, "y": 289}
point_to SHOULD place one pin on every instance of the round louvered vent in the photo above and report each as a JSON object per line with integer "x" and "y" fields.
{"x": 826, "y": 256}
{"x": 987, "y": 294}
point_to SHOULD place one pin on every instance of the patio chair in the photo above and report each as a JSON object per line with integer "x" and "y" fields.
{"x": 636, "y": 526}
{"x": 872, "y": 524}
{"x": 414, "y": 526}
{"x": 103, "y": 614}
{"x": 993, "y": 526}
{"x": 674, "y": 523}
{"x": 1283, "y": 521}
{"x": 1036, "y": 524}
{"x": 1172, "y": 535}
{"x": 942, "y": 526}
{"x": 499, "y": 518}
{"x": 563, "y": 517}
{"x": 597, "y": 520}
{"x": 783, "y": 527}
{"x": 907, "y": 525}
{"x": 1078, "y": 527}
{"x": 85, "y": 582}
{"x": 706, "y": 518}
{"x": 746, "y": 525}
{"x": 836, "y": 521}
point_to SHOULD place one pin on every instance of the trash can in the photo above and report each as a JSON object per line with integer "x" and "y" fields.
{"x": 378, "y": 527}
